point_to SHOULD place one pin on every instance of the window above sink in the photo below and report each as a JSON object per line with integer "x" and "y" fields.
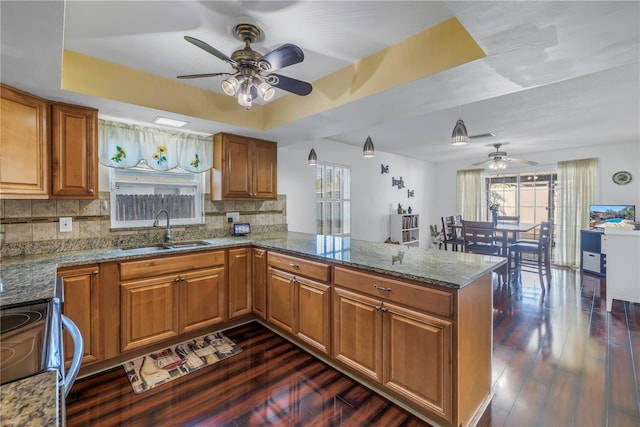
{"x": 137, "y": 194}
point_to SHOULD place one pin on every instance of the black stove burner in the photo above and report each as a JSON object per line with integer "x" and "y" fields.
{"x": 16, "y": 319}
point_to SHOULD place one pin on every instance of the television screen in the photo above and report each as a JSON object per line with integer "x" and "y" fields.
{"x": 599, "y": 215}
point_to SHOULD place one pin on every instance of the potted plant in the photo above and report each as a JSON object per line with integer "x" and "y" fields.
{"x": 436, "y": 235}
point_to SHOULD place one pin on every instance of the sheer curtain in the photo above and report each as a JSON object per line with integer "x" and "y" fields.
{"x": 578, "y": 188}
{"x": 470, "y": 193}
{"x": 123, "y": 145}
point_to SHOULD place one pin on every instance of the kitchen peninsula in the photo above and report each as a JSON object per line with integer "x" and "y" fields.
{"x": 439, "y": 303}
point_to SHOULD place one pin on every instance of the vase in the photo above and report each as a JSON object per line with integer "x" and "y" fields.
{"x": 494, "y": 216}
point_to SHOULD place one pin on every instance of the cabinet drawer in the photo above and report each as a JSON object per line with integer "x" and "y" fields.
{"x": 169, "y": 264}
{"x": 431, "y": 300}
{"x": 591, "y": 261}
{"x": 300, "y": 266}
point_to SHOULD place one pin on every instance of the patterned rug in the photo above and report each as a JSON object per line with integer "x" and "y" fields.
{"x": 173, "y": 362}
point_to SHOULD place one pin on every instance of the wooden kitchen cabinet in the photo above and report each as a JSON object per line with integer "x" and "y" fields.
{"x": 74, "y": 152}
{"x": 299, "y": 299}
{"x": 239, "y": 281}
{"x": 243, "y": 168}
{"x": 405, "y": 349}
{"x": 24, "y": 143}
{"x": 81, "y": 305}
{"x": 168, "y": 296}
{"x": 259, "y": 269}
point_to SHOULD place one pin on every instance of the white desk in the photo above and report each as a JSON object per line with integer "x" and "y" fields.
{"x": 622, "y": 246}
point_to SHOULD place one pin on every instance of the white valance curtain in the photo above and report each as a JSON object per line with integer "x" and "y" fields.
{"x": 123, "y": 145}
{"x": 470, "y": 193}
{"x": 577, "y": 189}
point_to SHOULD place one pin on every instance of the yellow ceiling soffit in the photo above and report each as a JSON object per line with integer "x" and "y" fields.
{"x": 95, "y": 77}
{"x": 441, "y": 47}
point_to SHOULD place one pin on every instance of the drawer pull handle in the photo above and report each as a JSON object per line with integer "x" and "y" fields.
{"x": 382, "y": 288}
{"x": 297, "y": 266}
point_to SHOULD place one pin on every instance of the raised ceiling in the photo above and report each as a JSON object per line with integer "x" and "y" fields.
{"x": 551, "y": 75}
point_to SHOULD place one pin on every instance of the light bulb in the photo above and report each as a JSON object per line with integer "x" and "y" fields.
{"x": 230, "y": 86}
{"x": 266, "y": 91}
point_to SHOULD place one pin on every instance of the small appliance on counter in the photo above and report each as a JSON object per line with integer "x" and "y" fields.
{"x": 241, "y": 229}
{"x": 31, "y": 342}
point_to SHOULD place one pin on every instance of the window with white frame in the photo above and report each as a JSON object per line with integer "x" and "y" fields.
{"x": 530, "y": 195}
{"x": 333, "y": 199}
{"x": 138, "y": 194}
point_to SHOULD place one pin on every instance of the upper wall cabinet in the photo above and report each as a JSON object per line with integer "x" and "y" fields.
{"x": 24, "y": 163}
{"x": 243, "y": 168}
{"x": 74, "y": 152}
{"x": 49, "y": 150}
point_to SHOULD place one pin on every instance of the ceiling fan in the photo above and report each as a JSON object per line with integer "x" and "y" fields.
{"x": 252, "y": 75}
{"x": 498, "y": 159}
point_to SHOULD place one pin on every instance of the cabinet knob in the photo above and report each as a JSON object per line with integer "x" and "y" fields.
{"x": 381, "y": 288}
{"x": 377, "y": 307}
{"x": 90, "y": 191}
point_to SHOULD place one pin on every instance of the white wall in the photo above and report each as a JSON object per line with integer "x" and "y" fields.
{"x": 612, "y": 158}
{"x": 372, "y": 196}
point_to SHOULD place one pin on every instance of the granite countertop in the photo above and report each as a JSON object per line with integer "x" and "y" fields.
{"x": 31, "y": 278}
{"x": 33, "y": 401}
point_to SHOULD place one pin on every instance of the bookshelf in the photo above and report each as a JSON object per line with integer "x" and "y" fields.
{"x": 405, "y": 229}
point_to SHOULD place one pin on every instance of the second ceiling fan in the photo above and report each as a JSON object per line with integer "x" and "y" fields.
{"x": 252, "y": 76}
{"x": 498, "y": 159}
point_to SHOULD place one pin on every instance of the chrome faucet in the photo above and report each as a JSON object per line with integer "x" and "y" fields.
{"x": 167, "y": 233}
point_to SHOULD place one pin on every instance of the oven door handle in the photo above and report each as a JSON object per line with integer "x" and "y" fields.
{"x": 78, "y": 353}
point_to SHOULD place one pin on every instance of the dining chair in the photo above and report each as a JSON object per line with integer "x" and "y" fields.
{"x": 450, "y": 234}
{"x": 479, "y": 238}
{"x": 533, "y": 255}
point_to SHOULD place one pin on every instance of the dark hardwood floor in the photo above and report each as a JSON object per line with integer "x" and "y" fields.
{"x": 559, "y": 360}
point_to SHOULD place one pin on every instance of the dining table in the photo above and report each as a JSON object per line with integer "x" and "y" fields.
{"x": 507, "y": 230}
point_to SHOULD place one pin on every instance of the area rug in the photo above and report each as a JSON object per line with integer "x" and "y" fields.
{"x": 173, "y": 362}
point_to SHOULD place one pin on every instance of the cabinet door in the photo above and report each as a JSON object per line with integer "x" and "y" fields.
{"x": 280, "y": 298}
{"x": 81, "y": 304}
{"x": 74, "y": 144}
{"x": 357, "y": 333}
{"x": 260, "y": 283}
{"x": 265, "y": 170}
{"x": 149, "y": 311}
{"x": 313, "y": 306}
{"x": 236, "y": 168}
{"x": 239, "y": 274}
{"x": 202, "y": 299}
{"x": 24, "y": 144}
{"x": 417, "y": 358}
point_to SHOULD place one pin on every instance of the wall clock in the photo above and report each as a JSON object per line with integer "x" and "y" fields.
{"x": 621, "y": 177}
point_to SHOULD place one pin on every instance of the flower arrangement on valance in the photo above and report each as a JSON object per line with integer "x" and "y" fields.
{"x": 124, "y": 145}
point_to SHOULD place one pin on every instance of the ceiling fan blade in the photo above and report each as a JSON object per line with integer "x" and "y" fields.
{"x": 283, "y": 56}
{"x": 215, "y": 52}
{"x": 197, "y": 76}
{"x": 289, "y": 84}
{"x": 482, "y": 162}
{"x": 526, "y": 162}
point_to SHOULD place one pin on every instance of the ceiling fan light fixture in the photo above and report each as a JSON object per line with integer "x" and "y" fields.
{"x": 497, "y": 164}
{"x": 313, "y": 157}
{"x": 266, "y": 91}
{"x": 230, "y": 86}
{"x": 368, "y": 149}
{"x": 459, "y": 136}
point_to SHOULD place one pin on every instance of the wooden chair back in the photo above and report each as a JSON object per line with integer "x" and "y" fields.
{"x": 509, "y": 218}
{"x": 479, "y": 237}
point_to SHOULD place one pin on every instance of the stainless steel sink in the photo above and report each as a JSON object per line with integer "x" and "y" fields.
{"x": 167, "y": 246}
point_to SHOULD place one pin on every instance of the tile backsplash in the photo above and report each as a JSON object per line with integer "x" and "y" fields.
{"x": 32, "y": 226}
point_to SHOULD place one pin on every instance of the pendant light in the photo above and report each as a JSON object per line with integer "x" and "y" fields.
{"x": 459, "y": 136}
{"x": 313, "y": 157}
{"x": 368, "y": 150}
